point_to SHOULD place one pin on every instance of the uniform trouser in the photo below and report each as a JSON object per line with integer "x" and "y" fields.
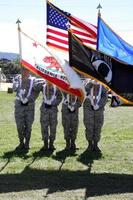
{"x": 48, "y": 120}
{"x": 70, "y": 124}
{"x": 93, "y": 121}
{"x": 24, "y": 117}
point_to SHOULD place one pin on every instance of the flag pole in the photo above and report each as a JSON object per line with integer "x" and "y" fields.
{"x": 99, "y": 7}
{"x": 99, "y": 15}
{"x": 47, "y": 87}
{"x": 19, "y": 39}
{"x": 20, "y": 46}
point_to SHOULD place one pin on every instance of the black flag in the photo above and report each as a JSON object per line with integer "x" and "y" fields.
{"x": 112, "y": 73}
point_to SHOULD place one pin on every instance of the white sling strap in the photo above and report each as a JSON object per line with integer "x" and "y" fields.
{"x": 31, "y": 85}
{"x": 44, "y": 93}
{"x": 97, "y": 97}
{"x": 29, "y": 91}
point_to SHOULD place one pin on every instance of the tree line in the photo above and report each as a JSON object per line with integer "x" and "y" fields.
{"x": 10, "y": 68}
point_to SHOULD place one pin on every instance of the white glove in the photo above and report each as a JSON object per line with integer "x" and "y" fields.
{"x": 71, "y": 108}
{"x": 24, "y": 101}
{"x": 22, "y": 91}
{"x": 65, "y": 101}
{"x": 96, "y": 107}
{"x": 48, "y": 102}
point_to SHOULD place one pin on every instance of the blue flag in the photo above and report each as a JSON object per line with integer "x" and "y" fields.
{"x": 113, "y": 45}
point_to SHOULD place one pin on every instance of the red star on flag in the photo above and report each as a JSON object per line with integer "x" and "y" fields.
{"x": 34, "y": 44}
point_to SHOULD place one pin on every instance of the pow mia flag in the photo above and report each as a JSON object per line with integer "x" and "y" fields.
{"x": 112, "y": 73}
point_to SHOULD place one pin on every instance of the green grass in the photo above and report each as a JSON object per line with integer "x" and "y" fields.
{"x": 61, "y": 175}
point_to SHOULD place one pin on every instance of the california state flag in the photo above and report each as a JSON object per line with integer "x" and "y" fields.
{"x": 40, "y": 60}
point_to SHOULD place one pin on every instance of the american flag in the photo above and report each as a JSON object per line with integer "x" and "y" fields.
{"x": 58, "y": 23}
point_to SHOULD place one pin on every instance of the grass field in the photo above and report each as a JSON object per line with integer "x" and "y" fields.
{"x": 67, "y": 176}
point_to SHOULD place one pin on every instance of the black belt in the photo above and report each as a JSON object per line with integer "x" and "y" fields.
{"x": 47, "y": 106}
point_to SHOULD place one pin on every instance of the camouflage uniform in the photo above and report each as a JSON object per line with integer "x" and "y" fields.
{"x": 93, "y": 108}
{"x": 24, "y": 110}
{"x": 52, "y": 97}
{"x": 70, "y": 119}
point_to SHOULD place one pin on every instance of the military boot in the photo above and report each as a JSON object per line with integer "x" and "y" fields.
{"x": 68, "y": 144}
{"x": 95, "y": 147}
{"x": 45, "y": 144}
{"x": 90, "y": 145}
{"x": 20, "y": 146}
{"x": 26, "y": 145}
{"x": 51, "y": 145}
{"x": 73, "y": 145}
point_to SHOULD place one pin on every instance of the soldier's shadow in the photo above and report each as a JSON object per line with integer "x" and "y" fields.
{"x": 14, "y": 153}
{"x": 62, "y": 155}
{"x": 87, "y": 158}
{"x": 42, "y": 153}
{"x": 39, "y": 154}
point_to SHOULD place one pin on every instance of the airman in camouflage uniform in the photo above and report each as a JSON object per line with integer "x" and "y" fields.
{"x": 70, "y": 119}
{"x": 52, "y": 97}
{"x": 93, "y": 107}
{"x": 24, "y": 107}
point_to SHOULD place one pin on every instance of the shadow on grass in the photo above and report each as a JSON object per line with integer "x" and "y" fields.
{"x": 87, "y": 158}
{"x": 42, "y": 153}
{"x": 62, "y": 155}
{"x": 23, "y": 154}
{"x": 54, "y": 181}
{"x": 15, "y": 153}
{"x": 39, "y": 154}
{"x": 66, "y": 180}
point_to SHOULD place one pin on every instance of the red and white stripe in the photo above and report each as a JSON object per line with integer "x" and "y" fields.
{"x": 58, "y": 38}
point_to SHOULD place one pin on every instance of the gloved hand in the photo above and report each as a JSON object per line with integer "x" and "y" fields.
{"x": 25, "y": 100}
{"x": 48, "y": 102}
{"x": 22, "y": 91}
{"x": 71, "y": 108}
{"x": 96, "y": 107}
{"x": 65, "y": 101}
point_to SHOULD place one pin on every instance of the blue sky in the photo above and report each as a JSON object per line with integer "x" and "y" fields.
{"x": 116, "y": 13}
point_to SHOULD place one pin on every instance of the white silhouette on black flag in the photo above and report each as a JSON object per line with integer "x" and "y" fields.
{"x": 112, "y": 73}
